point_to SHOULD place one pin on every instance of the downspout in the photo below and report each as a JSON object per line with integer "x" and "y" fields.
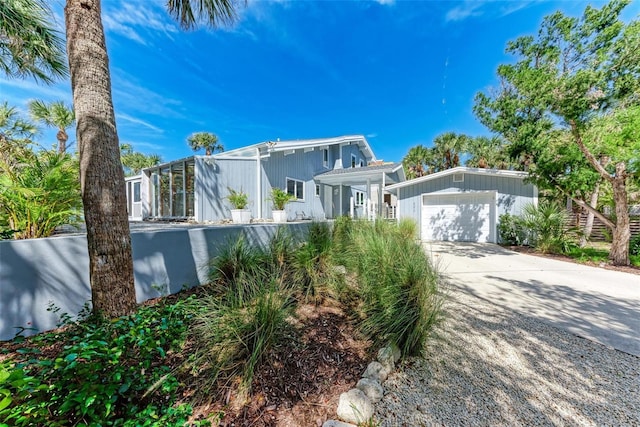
{"x": 259, "y": 182}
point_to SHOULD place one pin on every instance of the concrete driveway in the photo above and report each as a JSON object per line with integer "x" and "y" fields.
{"x": 594, "y": 303}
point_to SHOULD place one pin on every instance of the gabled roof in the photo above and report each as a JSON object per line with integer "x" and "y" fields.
{"x": 267, "y": 147}
{"x": 460, "y": 169}
{"x": 360, "y": 175}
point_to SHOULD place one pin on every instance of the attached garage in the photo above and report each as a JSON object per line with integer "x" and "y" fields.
{"x": 463, "y": 204}
{"x": 468, "y": 217}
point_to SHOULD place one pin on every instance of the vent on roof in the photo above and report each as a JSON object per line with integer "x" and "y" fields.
{"x": 458, "y": 177}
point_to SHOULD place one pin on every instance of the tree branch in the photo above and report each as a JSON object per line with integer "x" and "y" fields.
{"x": 590, "y": 157}
{"x": 606, "y": 221}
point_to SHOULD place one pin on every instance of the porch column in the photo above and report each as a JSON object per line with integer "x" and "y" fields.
{"x": 381, "y": 196}
{"x": 369, "y": 201}
{"x": 340, "y": 200}
{"x": 258, "y": 183}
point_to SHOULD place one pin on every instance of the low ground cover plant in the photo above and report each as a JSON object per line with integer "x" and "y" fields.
{"x": 150, "y": 368}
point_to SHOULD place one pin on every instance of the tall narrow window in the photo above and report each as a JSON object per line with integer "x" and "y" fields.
{"x": 359, "y": 199}
{"x": 325, "y": 157}
{"x": 189, "y": 177}
{"x": 353, "y": 160}
{"x": 177, "y": 189}
{"x": 165, "y": 192}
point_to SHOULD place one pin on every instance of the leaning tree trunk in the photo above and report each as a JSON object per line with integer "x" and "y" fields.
{"x": 588, "y": 226}
{"x": 101, "y": 174}
{"x": 621, "y": 233}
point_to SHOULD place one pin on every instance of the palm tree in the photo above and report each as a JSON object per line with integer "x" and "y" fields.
{"x": 133, "y": 162}
{"x": 57, "y": 115}
{"x": 101, "y": 174}
{"x": 15, "y": 136}
{"x": 487, "y": 152}
{"x": 447, "y": 149}
{"x": 29, "y": 46}
{"x": 206, "y": 140}
{"x": 416, "y": 162}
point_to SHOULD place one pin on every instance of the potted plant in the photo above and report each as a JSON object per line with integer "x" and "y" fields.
{"x": 239, "y": 201}
{"x": 280, "y": 198}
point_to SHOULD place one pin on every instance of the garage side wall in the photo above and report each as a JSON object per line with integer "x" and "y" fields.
{"x": 513, "y": 194}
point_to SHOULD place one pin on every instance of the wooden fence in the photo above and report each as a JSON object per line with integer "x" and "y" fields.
{"x": 601, "y": 232}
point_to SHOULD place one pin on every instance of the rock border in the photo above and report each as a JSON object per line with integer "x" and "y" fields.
{"x": 356, "y": 405}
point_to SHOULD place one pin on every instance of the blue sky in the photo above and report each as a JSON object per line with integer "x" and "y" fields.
{"x": 398, "y": 72}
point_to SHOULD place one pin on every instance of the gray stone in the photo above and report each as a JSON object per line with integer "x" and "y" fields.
{"x": 336, "y": 423}
{"x": 385, "y": 356}
{"x": 371, "y": 388}
{"x": 354, "y": 407}
{"x": 377, "y": 371}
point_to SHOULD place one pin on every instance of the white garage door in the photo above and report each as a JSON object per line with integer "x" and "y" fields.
{"x": 467, "y": 217}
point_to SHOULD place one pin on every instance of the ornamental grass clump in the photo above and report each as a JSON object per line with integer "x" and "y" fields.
{"x": 398, "y": 285}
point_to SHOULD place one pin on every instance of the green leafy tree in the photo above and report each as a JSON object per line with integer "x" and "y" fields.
{"x": 417, "y": 161}
{"x": 29, "y": 45}
{"x": 133, "y": 162}
{"x": 207, "y": 140}
{"x": 101, "y": 173}
{"x": 569, "y": 107}
{"x": 54, "y": 114}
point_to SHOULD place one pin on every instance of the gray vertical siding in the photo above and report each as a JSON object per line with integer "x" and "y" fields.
{"x": 513, "y": 193}
{"x": 302, "y": 167}
{"x": 213, "y": 181}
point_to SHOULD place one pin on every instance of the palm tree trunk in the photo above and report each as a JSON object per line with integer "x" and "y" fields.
{"x": 101, "y": 175}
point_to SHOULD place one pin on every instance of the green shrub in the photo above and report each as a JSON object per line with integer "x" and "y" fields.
{"x": 511, "y": 230}
{"x": 397, "y": 284}
{"x": 634, "y": 245}
{"x": 232, "y": 339}
{"x": 235, "y": 272}
{"x": 38, "y": 193}
{"x": 88, "y": 381}
{"x": 546, "y": 225}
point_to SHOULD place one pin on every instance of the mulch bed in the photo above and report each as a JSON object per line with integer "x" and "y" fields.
{"x": 299, "y": 385}
{"x": 299, "y": 382}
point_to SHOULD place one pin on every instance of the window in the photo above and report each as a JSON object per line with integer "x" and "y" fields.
{"x": 353, "y": 160}
{"x": 458, "y": 177}
{"x": 325, "y": 157}
{"x": 136, "y": 192}
{"x": 295, "y": 188}
{"x": 317, "y": 190}
{"x": 359, "y": 201}
{"x": 361, "y": 163}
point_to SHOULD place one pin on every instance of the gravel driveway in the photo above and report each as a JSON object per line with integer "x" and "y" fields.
{"x": 490, "y": 364}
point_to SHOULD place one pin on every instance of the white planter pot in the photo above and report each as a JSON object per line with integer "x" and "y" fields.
{"x": 279, "y": 216}
{"x": 241, "y": 216}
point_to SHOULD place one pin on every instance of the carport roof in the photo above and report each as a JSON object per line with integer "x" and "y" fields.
{"x": 460, "y": 169}
{"x": 360, "y": 175}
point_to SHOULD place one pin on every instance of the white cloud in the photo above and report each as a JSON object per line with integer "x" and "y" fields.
{"x": 130, "y": 20}
{"x": 372, "y": 135}
{"x": 386, "y": 2}
{"x": 464, "y": 11}
{"x": 137, "y": 121}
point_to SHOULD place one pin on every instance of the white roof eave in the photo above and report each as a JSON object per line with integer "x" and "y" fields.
{"x": 460, "y": 169}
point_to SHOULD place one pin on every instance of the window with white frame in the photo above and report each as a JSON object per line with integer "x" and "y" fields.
{"x": 361, "y": 163}
{"x": 295, "y": 188}
{"x": 317, "y": 190}
{"x": 353, "y": 160}
{"x": 325, "y": 157}
{"x": 359, "y": 199}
